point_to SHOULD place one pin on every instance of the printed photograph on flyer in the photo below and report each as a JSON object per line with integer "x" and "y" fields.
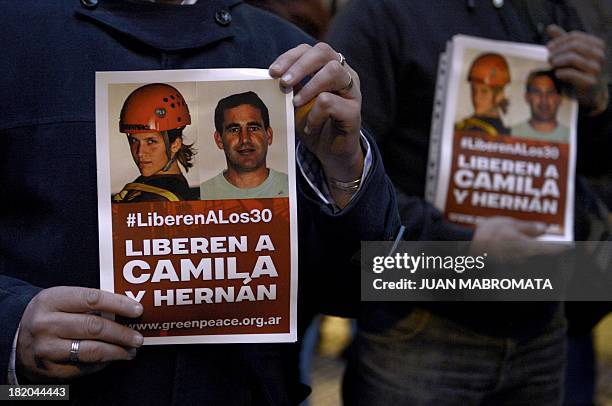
{"x": 508, "y": 143}
{"x": 197, "y": 203}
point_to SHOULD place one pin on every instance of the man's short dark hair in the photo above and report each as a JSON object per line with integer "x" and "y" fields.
{"x": 236, "y": 100}
{"x": 548, "y": 73}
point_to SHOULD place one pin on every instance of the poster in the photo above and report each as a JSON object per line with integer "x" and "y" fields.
{"x": 503, "y": 139}
{"x": 197, "y": 203}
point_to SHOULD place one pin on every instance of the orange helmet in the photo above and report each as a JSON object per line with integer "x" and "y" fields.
{"x": 154, "y": 107}
{"x": 491, "y": 70}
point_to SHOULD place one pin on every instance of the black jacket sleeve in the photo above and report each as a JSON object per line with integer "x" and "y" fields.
{"x": 330, "y": 242}
{"x": 14, "y": 297}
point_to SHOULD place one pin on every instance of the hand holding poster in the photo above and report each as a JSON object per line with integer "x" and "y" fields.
{"x": 197, "y": 210}
{"x": 504, "y": 137}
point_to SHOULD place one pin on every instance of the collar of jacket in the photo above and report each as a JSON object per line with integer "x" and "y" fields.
{"x": 162, "y": 26}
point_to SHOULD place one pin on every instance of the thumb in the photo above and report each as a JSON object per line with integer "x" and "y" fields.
{"x": 529, "y": 228}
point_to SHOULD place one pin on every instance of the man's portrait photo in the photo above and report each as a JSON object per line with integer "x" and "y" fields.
{"x": 543, "y": 95}
{"x": 244, "y": 133}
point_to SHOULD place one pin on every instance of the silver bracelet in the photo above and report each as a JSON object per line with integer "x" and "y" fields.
{"x": 349, "y": 187}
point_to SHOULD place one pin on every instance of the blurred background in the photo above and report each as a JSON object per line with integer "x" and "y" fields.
{"x": 328, "y": 339}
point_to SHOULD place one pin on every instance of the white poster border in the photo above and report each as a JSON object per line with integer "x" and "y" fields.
{"x": 536, "y": 52}
{"x": 103, "y": 80}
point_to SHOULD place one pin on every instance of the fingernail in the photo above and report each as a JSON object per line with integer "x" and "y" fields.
{"x": 138, "y": 308}
{"x": 297, "y": 99}
{"x": 132, "y": 353}
{"x": 287, "y": 77}
{"x": 306, "y": 130}
{"x": 275, "y": 66}
{"x": 137, "y": 340}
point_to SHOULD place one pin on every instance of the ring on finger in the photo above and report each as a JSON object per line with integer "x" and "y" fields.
{"x": 346, "y": 88}
{"x": 75, "y": 346}
{"x": 342, "y": 59}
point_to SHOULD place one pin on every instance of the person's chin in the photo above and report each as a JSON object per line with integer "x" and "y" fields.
{"x": 148, "y": 172}
{"x": 246, "y": 162}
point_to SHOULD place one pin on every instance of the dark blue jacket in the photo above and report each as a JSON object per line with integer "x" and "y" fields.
{"x": 48, "y": 224}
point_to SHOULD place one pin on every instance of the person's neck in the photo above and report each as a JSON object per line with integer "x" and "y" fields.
{"x": 173, "y": 170}
{"x": 547, "y": 126}
{"x": 488, "y": 114}
{"x": 247, "y": 180}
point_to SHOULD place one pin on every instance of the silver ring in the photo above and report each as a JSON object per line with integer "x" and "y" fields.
{"x": 74, "y": 350}
{"x": 342, "y": 59}
{"x": 348, "y": 87}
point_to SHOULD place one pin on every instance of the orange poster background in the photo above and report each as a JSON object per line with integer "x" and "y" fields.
{"x": 466, "y": 208}
{"x": 278, "y": 230}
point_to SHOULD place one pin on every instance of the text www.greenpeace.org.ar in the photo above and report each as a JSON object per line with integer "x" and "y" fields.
{"x": 224, "y": 322}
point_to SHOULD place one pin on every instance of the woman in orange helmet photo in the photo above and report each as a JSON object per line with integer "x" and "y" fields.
{"x": 488, "y": 76}
{"x": 153, "y": 117}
